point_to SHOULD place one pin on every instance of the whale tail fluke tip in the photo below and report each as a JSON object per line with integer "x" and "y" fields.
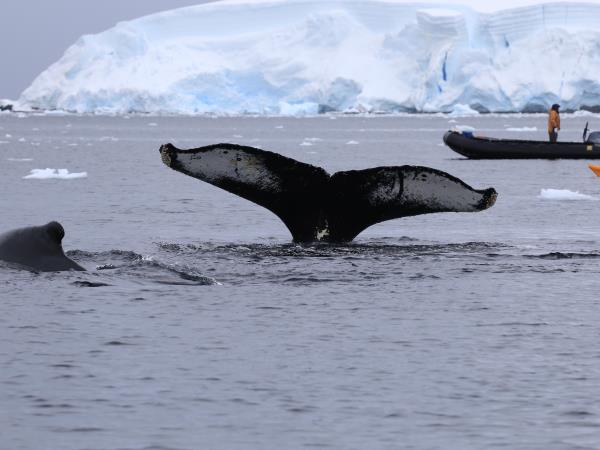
{"x": 489, "y": 199}
{"x": 167, "y": 154}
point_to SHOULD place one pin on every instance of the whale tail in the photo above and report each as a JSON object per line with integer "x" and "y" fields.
{"x": 316, "y": 206}
{"x": 361, "y": 198}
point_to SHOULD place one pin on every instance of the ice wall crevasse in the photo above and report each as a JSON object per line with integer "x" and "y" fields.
{"x": 310, "y": 56}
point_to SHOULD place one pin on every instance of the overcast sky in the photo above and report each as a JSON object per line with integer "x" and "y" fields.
{"x": 35, "y": 33}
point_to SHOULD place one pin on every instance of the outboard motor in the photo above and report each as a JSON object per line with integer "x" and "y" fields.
{"x": 594, "y": 137}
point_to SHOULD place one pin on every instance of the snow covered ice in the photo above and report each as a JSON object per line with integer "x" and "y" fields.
{"x": 309, "y": 56}
{"x": 563, "y": 194}
{"x": 48, "y": 174}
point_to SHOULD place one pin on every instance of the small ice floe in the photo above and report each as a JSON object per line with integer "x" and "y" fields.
{"x": 452, "y": 121}
{"x": 8, "y": 135}
{"x": 518, "y": 129}
{"x": 563, "y": 194}
{"x": 19, "y": 159}
{"x": 352, "y": 143}
{"x": 47, "y": 174}
{"x": 279, "y": 127}
{"x": 152, "y": 124}
{"x": 73, "y": 144}
{"x": 238, "y": 136}
{"x": 36, "y": 144}
{"x": 583, "y": 113}
{"x": 22, "y": 140}
{"x": 109, "y": 138}
{"x": 461, "y": 110}
{"x": 313, "y": 139}
{"x": 306, "y": 144}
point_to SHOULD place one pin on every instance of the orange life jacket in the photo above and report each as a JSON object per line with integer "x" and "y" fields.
{"x": 553, "y": 120}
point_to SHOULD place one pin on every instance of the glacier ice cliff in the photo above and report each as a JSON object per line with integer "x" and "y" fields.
{"x": 310, "y": 56}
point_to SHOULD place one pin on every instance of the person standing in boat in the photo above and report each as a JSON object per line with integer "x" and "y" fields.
{"x": 553, "y": 123}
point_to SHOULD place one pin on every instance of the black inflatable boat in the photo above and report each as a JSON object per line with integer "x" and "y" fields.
{"x": 466, "y": 144}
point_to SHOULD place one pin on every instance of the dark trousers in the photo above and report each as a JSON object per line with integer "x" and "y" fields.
{"x": 553, "y": 136}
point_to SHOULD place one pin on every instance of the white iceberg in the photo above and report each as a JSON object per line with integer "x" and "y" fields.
{"x": 47, "y": 174}
{"x": 302, "y": 57}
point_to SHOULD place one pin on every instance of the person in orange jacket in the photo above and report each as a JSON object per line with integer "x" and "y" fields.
{"x": 553, "y": 123}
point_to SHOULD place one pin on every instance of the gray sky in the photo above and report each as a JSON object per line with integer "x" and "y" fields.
{"x": 35, "y": 33}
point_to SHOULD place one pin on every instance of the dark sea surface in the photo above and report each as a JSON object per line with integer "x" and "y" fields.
{"x": 199, "y": 325}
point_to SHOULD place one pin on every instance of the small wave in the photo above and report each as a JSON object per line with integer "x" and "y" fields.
{"x": 129, "y": 264}
{"x": 563, "y": 194}
{"x": 47, "y": 174}
{"x": 561, "y": 255}
{"x": 514, "y": 324}
{"x": 329, "y": 250}
{"x": 89, "y": 284}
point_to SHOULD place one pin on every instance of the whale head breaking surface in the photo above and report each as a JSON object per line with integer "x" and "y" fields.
{"x": 316, "y": 206}
{"x": 37, "y": 248}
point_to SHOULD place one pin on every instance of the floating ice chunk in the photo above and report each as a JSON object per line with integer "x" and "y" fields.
{"x": 517, "y": 129}
{"x": 563, "y": 194}
{"x": 315, "y": 139}
{"x": 46, "y": 174}
{"x": 8, "y": 135}
{"x": 352, "y": 143}
{"x": 279, "y": 127}
{"x": 22, "y": 139}
{"x": 152, "y": 124}
{"x": 306, "y": 144}
{"x": 460, "y": 110}
{"x": 583, "y": 113}
{"x": 19, "y": 159}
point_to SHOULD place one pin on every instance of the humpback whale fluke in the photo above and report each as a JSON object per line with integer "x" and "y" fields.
{"x": 316, "y": 206}
{"x": 38, "y": 248}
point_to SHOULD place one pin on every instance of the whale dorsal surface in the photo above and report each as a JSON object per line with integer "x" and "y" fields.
{"x": 317, "y": 206}
{"x": 37, "y": 248}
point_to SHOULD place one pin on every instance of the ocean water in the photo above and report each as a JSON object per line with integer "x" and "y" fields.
{"x": 199, "y": 325}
